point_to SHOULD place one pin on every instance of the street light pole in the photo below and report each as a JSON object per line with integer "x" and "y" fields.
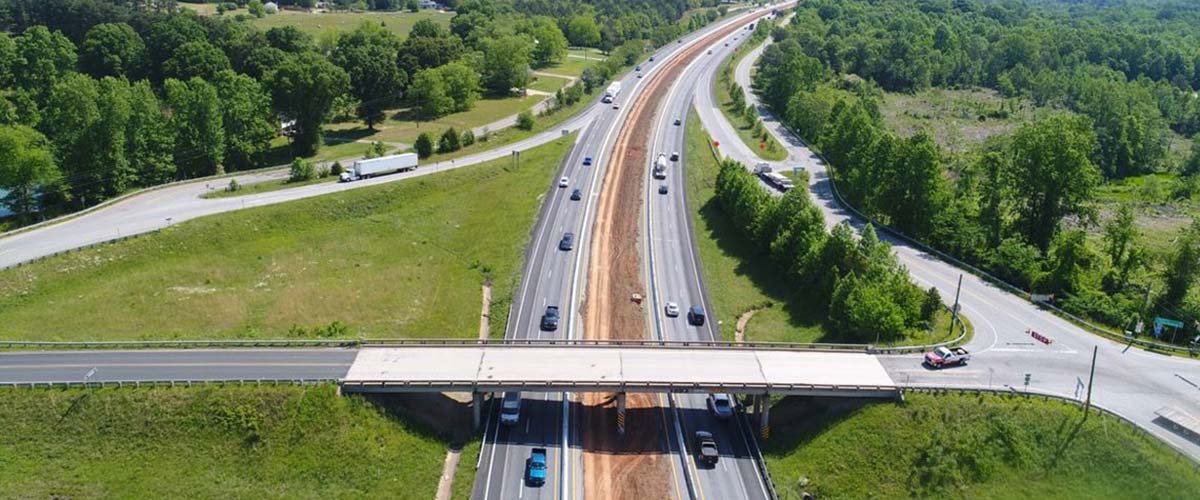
{"x": 954, "y": 312}
{"x": 1087, "y": 405}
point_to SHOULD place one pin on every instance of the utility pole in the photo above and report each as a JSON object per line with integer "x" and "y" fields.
{"x": 1087, "y": 405}
{"x": 954, "y": 313}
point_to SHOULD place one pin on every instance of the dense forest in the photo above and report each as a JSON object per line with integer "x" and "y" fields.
{"x": 98, "y": 97}
{"x": 1121, "y": 79}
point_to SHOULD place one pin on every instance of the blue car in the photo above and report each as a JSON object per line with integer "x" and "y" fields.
{"x": 535, "y": 467}
{"x": 587, "y": 161}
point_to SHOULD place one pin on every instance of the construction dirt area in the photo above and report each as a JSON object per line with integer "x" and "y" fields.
{"x": 636, "y": 465}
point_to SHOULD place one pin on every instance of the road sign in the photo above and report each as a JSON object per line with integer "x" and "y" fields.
{"x": 1157, "y": 330}
{"x": 1173, "y": 323}
{"x": 716, "y": 144}
{"x": 762, "y": 145}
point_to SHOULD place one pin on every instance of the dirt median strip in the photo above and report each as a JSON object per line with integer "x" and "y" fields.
{"x": 636, "y": 465}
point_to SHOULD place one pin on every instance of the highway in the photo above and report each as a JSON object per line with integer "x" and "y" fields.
{"x": 1128, "y": 380}
{"x": 673, "y": 270}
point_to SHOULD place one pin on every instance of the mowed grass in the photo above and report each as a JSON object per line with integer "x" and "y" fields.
{"x": 402, "y": 125}
{"x": 966, "y": 446}
{"x": 207, "y": 442}
{"x": 741, "y": 279}
{"x": 315, "y": 23}
{"x": 773, "y": 151}
{"x": 406, "y": 259}
{"x": 958, "y": 119}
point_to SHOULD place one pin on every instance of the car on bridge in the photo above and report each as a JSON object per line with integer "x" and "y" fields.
{"x": 535, "y": 467}
{"x": 706, "y": 449}
{"x": 550, "y": 319}
{"x": 696, "y": 315}
{"x": 721, "y": 406}
{"x": 943, "y": 357}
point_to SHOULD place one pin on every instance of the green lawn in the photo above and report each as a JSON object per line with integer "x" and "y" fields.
{"x": 264, "y": 187}
{"x": 317, "y": 23}
{"x": 745, "y": 128}
{"x": 572, "y": 66}
{"x": 403, "y": 126}
{"x": 207, "y": 442}
{"x": 404, "y": 259}
{"x": 547, "y": 83}
{"x": 739, "y": 279}
{"x": 966, "y": 446}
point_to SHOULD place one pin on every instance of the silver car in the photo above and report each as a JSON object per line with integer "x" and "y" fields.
{"x": 721, "y": 406}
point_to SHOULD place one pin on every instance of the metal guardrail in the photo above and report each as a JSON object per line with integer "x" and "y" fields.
{"x": 1055, "y": 397}
{"x": 167, "y": 383}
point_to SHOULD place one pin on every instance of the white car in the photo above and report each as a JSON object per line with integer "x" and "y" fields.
{"x": 562, "y": 183}
{"x": 672, "y": 309}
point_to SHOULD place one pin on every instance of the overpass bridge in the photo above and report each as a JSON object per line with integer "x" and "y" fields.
{"x": 622, "y": 367}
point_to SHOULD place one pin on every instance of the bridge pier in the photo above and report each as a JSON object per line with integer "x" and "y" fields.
{"x": 764, "y": 420}
{"x": 621, "y": 413}
{"x": 476, "y": 409}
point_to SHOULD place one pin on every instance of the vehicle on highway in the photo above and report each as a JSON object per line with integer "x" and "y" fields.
{"x": 550, "y": 319}
{"x": 562, "y": 183}
{"x": 675, "y": 156}
{"x": 535, "y": 467}
{"x": 721, "y": 406}
{"x": 637, "y": 68}
{"x": 616, "y": 106}
{"x": 510, "y": 408}
{"x": 365, "y": 169}
{"x": 774, "y": 179}
{"x": 706, "y": 449}
{"x": 587, "y": 161}
{"x": 696, "y": 315}
{"x": 678, "y": 122}
{"x": 660, "y": 166}
{"x": 567, "y": 242}
{"x": 611, "y": 93}
{"x": 639, "y": 75}
{"x": 710, "y": 52}
{"x": 576, "y": 195}
{"x": 672, "y": 309}
{"x": 943, "y": 357}
{"x": 662, "y": 189}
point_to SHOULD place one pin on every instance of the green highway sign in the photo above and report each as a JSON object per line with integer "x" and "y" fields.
{"x": 1169, "y": 322}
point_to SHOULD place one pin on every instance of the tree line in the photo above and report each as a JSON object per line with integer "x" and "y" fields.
{"x": 869, "y": 297}
{"x": 100, "y": 97}
{"x": 1020, "y": 205}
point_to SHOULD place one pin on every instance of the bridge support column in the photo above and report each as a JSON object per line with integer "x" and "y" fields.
{"x": 621, "y": 413}
{"x": 476, "y": 408}
{"x": 764, "y": 418}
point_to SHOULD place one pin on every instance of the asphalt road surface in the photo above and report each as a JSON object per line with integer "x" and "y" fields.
{"x": 174, "y": 365}
{"x": 1129, "y": 381}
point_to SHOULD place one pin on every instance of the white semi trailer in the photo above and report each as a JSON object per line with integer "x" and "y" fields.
{"x": 611, "y": 93}
{"x": 660, "y": 166}
{"x": 364, "y": 169}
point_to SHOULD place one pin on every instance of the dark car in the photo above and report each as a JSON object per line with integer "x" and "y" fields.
{"x": 707, "y": 452}
{"x": 638, "y": 68}
{"x": 550, "y": 319}
{"x": 678, "y": 122}
{"x": 651, "y": 58}
{"x": 675, "y": 156}
{"x": 696, "y": 315}
{"x": 662, "y": 189}
{"x": 576, "y": 195}
{"x": 567, "y": 242}
{"x": 587, "y": 161}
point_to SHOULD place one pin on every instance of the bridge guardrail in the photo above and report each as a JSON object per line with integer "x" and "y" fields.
{"x": 1013, "y": 392}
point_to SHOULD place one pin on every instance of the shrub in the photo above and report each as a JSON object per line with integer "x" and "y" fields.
{"x": 424, "y": 145}
{"x": 525, "y": 120}
{"x": 449, "y": 141}
{"x": 301, "y": 171}
{"x": 323, "y": 171}
{"x": 233, "y": 186}
{"x": 336, "y": 168}
{"x": 468, "y": 138}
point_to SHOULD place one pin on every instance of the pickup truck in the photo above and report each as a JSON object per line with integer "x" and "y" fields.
{"x": 706, "y": 449}
{"x": 943, "y": 357}
{"x": 535, "y": 467}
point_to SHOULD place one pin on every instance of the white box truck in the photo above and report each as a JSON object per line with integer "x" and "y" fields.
{"x": 611, "y": 93}
{"x": 365, "y": 169}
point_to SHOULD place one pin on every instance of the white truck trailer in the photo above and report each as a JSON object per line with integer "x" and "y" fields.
{"x": 660, "y": 166}
{"x": 775, "y": 179}
{"x": 365, "y": 169}
{"x": 611, "y": 93}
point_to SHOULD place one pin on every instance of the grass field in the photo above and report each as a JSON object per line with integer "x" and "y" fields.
{"x": 959, "y": 446}
{"x": 264, "y": 187}
{"x": 745, "y": 128}
{"x": 958, "y": 120}
{"x": 204, "y": 442}
{"x": 316, "y": 23}
{"x": 739, "y": 279}
{"x": 406, "y": 259}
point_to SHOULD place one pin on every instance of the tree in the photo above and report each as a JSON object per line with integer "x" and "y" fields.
{"x": 462, "y": 85}
{"x": 1192, "y": 166}
{"x": 505, "y": 64}
{"x": 246, "y": 118}
{"x": 303, "y": 88}
{"x": 428, "y": 91}
{"x": 1183, "y": 268}
{"x": 1120, "y": 244}
{"x": 591, "y": 79}
{"x": 583, "y": 31}
{"x": 864, "y": 311}
{"x": 428, "y": 46}
{"x": 368, "y": 55}
{"x": 26, "y": 168}
{"x": 1050, "y": 157}
{"x": 196, "y": 116}
{"x": 413, "y": 5}
{"x": 449, "y": 141}
{"x": 289, "y": 39}
{"x": 424, "y": 145}
{"x": 43, "y": 58}
{"x": 549, "y": 44}
{"x": 468, "y": 138}
{"x": 164, "y": 36}
{"x": 256, "y": 8}
{"x": 8, "y": 59}
{"x": 195, "y": 59}
{"x": 917, "y": 192}
{"x": 301, "y": 170}
{"x": 113, "y": 50}
{"x": 525, "y": 120}
{"x": 151, "y": 138}
{"x": 1070, "y": 259}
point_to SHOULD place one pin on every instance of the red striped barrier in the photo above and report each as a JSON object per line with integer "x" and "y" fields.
{"x": 1039, "y": 337}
